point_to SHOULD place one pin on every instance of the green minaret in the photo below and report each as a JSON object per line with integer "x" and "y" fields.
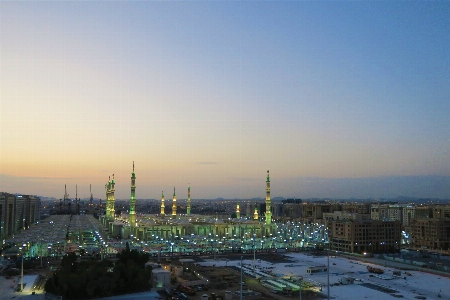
{"x": 132, "y": 215}
{"x": 174, "y": 205}
{"x": 107, "y": 187}
{"x": 163, "y": 207}
{"x": 110, "y": 200}
{"x": 189, "y": 201}
{"x": 268, "y": 202}
{"x": 112, "y": 207}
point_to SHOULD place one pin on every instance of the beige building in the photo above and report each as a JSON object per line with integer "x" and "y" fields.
{"x": 433, "y": 233}
{"x": 372, "y": 236}
{"x": 386, "y": 212}
{"x": 432, "y": 211}
{"x": 344, "y": 216}
{"x": 409, "y": 213}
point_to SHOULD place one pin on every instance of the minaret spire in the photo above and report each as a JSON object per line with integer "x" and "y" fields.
{"x": 174, "y": 205}
{"x": 188, "y": 211}
{"x": 108, "y": 196}
{"x": 90, "y": 192}
{"x": 162, "y": 204}
{"x": 238, "y": 211}
{"x": 132, "y": 214}
{"x": 110, "y": 200}
{"x": 66, "y": 196}
{"x": 91, "y": 201}
{"x": 268, "y": 202}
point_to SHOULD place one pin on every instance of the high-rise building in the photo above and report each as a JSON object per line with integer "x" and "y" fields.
{"x": 17, "y": 213}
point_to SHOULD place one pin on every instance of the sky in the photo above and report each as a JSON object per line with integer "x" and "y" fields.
{"x": 215, "y": 93}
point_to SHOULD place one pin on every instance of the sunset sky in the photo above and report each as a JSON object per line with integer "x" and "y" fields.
{"x": 215, "y": 93}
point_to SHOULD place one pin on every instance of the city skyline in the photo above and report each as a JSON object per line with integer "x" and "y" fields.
{"x": 336, "y": 99}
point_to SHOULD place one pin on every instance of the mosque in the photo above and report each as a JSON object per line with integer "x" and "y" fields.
{"x": 146, "y": 227}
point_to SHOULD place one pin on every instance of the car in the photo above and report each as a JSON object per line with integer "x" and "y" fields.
{"x": 182, "y": 296}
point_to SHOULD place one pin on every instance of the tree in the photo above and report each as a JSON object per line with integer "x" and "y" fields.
{"x": 94, "y": 279}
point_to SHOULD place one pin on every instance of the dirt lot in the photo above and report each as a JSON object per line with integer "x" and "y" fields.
{"x": 227, "y": 279}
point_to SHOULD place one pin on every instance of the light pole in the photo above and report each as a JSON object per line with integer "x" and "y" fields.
{"x": 241, "y": 279}
{"x": 21, "y": 276}
{"x": 300, "y": 290}
{"x": 254, "y": 258}
{"x": 21, "y": 270}
{"x": 328, "y": 270}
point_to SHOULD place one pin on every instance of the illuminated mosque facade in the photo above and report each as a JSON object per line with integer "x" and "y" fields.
{"x": 146, "y": 227}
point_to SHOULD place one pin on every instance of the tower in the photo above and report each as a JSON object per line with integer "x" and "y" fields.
{"x": 66, "y": 197}
{"x": 238, "y": 211}
{"x": 174, "y": 205}
{"x": 77, "y": 201}
{"x": 132, "y": 218}
{"x": 91, "y": 200}
{"x": 163, "y": 207}
{"x": 108, "y": 197}
{"x": 255, "y": 214}
{"x": 268, "y": 202}
{"x": 188, "y": 211}
{"x": 110, "y": 200}
{"x": 112, "y": 210}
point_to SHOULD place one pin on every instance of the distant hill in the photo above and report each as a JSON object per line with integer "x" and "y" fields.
{"x": 388, "y": 187}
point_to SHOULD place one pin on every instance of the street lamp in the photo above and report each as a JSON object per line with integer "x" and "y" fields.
{"x": 21, "y": 270}
{"x": 300, "y": 290}
{"x": 328, "y": 270}
{"x": 254, "y": 255}
{"x": 241, "y": 279}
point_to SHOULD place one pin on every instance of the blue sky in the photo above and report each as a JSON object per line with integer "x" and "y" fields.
{"x": 215, "y": 93}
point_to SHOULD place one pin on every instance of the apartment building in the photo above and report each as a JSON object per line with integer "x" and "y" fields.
{"x": 359, "y": 236}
